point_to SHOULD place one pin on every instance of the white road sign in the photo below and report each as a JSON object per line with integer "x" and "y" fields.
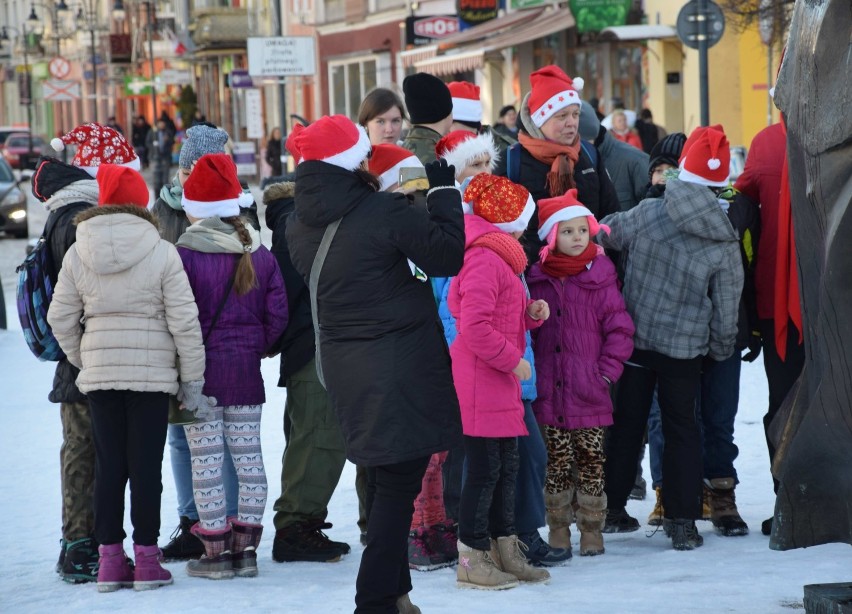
{"x": 281, "y": 56}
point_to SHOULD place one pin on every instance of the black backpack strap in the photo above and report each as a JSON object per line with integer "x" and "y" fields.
{"x": 222, "y": 304}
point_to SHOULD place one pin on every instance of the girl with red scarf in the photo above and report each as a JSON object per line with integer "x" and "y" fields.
{"x": 579, "y": 352}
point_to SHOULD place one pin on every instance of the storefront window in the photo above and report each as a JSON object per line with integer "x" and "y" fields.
{"x": 350, "y": 81}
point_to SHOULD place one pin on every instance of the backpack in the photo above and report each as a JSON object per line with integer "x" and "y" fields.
{"x": 513, "y": 159}
{"x": 35, "y": 289}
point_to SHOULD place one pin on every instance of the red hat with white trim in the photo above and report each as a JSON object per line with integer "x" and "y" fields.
{"x": 551, "y": 211}
{"x": 552, "y": 91}
{"x": 386, "y": 161}
{"x": 461, "y": 147}
{"x": 213, "y": 188}
{"x": 96, "y": 145}
{"x": 498, "y": 200}
{"x": 467, "y": 106}
{"x": 706, "y": 157}
{"x": 333, "y": 139}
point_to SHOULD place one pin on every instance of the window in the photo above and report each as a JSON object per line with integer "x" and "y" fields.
{"x": 350, "y": 80}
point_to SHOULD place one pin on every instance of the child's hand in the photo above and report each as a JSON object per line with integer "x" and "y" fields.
{"x": 523, "y": 370}
{"x": 538, "y": 310}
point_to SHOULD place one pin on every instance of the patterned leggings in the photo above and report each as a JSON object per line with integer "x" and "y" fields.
{"x": 238, "y": 426}
{"x": 581, "y": 450}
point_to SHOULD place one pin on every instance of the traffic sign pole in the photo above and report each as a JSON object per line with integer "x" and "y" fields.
{"x": 702, "y": 63}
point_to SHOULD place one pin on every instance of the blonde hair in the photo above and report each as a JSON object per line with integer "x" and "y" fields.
{"x": 245, "y": 279}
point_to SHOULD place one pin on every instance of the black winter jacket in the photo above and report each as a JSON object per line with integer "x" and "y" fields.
{"x": 383, "y": 352}
{"x": 297, "y": 344}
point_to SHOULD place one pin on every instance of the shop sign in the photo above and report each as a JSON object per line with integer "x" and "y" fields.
{"x": 424, "y": 30}
{"x": 281, "y": 56}
{"x": 595, "y": 15}
{"x": 473, "y": 12}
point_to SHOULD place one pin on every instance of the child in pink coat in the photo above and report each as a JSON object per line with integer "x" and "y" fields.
{"x": 489, "y": 301}
{"x": 578, "y": 354}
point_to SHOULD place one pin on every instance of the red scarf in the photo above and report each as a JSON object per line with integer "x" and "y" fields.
{"x": 507, "y": 247}
{"x": 788, "y": 305}
{"x": 561, "y": 159}
{"x": 561, "y": 265}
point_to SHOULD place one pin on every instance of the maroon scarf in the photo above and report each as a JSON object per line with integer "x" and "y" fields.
{"x": 562, "y": 265}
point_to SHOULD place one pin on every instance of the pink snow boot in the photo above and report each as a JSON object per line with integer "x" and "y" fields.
{"x": 114, "y": 570}
{"x": 149, "y": 574}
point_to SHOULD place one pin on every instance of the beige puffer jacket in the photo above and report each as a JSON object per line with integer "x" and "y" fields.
{"x": 123, "y": 307}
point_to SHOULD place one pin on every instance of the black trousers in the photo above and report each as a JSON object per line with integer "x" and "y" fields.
{"x": 487, "y": 506}
{"x": 780, "y": 374}
{"x": 129, "y": 429}
{"x": 677, "y": 384}
{"x": 384, "y": 574}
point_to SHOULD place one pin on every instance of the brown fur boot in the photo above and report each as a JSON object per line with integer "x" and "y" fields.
{"x": 591, "y": 515}
{"x": 560, "y": 515}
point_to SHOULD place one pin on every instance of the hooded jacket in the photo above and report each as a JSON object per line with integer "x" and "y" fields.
{"x": 684, "y": 276}
{"x": 587, "y": 338}
{"x": 385, "y": 361}
{"x": 489, "y": 302}
{"x": 627, "y": 167}
{"x": 123, "y": 309}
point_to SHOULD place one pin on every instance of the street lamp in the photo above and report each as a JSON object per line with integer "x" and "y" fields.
{"x": 4, "y": 36}
{"x": 54, "y": 9}
{"x": 87, "y": 19}
{"x": 118, "y": 12}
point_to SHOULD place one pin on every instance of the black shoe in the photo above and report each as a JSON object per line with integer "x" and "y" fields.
{"x": 80, "y": 563}
{"x": 766, "y": 526}
{"x": 619, "y": 521}
{"x": 306, "y": 542}
{"x": 639, "y": 490}
{"x": 542, "y": 554}
{"x": 184, "y": 545}
{"x": 61, "y": 560}
{"x": 684, "y": 533}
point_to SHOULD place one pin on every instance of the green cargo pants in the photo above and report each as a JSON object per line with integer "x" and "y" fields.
{"x": 77, "y": 471}
{"x": 314, "y": 455}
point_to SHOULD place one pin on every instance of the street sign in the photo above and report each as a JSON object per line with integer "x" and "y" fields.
{"x": 171, "y": 76}
{"x": 59, "y": 67}
{"x": 254, "y": 114}
{"x": 137, "y": 86}
{"x": 281, "y": 56}
{"x": 689, "y": 19}
{"x": 57, "y": 91}
{"x": 245, "y": 157}
{"x": 240, "y": 78}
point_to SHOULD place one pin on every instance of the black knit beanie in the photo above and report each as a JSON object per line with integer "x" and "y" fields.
{"x": 666, "y": 151}
{"x": 427, "y": 98}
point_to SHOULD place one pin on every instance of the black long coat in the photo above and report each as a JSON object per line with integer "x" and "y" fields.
{"x": 384, "y": 357}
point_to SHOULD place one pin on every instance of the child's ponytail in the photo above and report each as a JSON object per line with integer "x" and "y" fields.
{"x": 245, "y": 279}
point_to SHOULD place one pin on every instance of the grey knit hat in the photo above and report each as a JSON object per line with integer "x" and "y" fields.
{"x": 201, "y": 140}
{"x": 590, "y": 126}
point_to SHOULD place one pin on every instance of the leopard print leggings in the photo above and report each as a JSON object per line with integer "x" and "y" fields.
{"x": 575, "y": 456}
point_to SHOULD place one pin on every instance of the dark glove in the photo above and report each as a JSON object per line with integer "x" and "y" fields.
{"x": 754, "y": 346}
{"x": 441, "y": 174}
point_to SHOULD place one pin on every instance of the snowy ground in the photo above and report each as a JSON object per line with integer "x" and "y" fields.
{"x": 639, "y": 572}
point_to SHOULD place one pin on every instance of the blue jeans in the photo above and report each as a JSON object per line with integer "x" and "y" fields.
{"x": 529, "y": 487}
{"x": 656, "y": 443}
{"x": 182, "y": 472}
{"x": 717, "y": 404}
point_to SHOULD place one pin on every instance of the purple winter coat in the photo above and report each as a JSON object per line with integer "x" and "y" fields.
{"x": 588, "y": 337}
{"x": 247, "y": 327}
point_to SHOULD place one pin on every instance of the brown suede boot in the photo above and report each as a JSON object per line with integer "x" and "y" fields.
{"x": 655, "y": 518}
{"x": 404, "y": 605}
{"x": 514, "y": 561}
{"x": 723, "y": 507}
{"x": 560, "y": 515}
{"x": 591, "y": 516}
{"x": 477, "y": 569}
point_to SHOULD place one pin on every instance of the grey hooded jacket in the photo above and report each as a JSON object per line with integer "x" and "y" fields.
{"x": 684, "y": 276}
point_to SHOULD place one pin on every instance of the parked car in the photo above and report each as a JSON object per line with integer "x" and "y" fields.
{"x": 16, "y": 150}
{"x": 5, "y": 131}
{"x": 13, "y": 204}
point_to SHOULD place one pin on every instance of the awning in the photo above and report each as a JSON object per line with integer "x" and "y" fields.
{"x": 545, "y": 24}
{"x": 411, "y": 56}
{"x": 637, "y": 32}
{"x": 491, "y": 27}
{"x": 449, "y": 64}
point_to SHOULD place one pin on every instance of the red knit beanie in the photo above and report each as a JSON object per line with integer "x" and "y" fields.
{"x": 120, "y": 185}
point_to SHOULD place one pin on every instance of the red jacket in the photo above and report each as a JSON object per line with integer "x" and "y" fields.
{"x": 629, "y": 137}
{"x": 761, "y": 182}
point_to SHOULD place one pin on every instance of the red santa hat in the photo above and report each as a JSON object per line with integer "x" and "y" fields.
{"x": 552, "y": 91}
{"x": 291, "y": 145}
{"x": 213, "y": 188}
{"x": 551, "y": 211}
{"x": 386, "y": 161}
{"x": 706, "y": 157}
{"x": 507, "y": 205}
{"x": 333, "y": 139}
{"x": 120, "y": 185}
{"x": 466, "y": 104}
{"x": 96, "y": 145}
{"x": 461, "y": 147}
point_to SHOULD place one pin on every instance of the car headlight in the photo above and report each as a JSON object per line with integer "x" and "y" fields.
{"x": 18, "y": 214}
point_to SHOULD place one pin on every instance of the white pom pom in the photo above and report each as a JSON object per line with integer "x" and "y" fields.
{"x": 578, "y": 83}
{"x": 57, "y": 144}
{"x": 714, "y": 163}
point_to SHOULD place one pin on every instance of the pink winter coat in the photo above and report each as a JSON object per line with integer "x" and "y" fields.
{"x": 489, "y": 303}
{"x": 588, "y": 337}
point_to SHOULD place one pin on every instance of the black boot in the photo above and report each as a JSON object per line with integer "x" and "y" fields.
{"x": 305, "y": 541}
{"x": 684, "y": 533}
{"x": 184, "y": 545}
{"x": 61, "y": 560}
{"x": 80, "y": 563}
{"x": 619, "y": 521}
